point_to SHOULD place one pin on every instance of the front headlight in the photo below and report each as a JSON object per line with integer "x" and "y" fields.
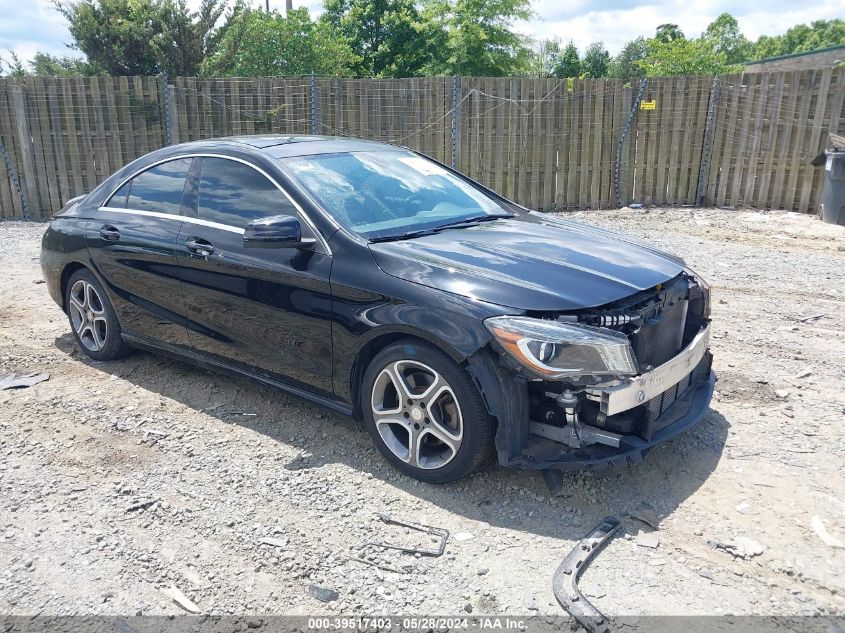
{"x": 551, "y": 349}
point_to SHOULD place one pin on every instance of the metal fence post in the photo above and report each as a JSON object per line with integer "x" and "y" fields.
{"x": 13, "y": 176}
{"x": 707, "y": 147}
{"x": 314, "y": 122}
{"x": 454, "y": 127}
{"x": 617, "y": 164}
{"x": 165, "y": 106}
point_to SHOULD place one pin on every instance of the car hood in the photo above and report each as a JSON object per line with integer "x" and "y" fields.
{"x": 529, "y": 262}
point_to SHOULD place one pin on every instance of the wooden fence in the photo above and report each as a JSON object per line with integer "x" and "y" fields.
{"x": 739, "y": 140}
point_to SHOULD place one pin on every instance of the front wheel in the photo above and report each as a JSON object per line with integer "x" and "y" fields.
{"x": 424, "y": 413}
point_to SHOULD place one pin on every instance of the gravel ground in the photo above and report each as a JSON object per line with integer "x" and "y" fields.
{"x": 120, "y": 480}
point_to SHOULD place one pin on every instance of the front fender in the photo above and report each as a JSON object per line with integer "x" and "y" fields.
{"x": 506, "y": 396}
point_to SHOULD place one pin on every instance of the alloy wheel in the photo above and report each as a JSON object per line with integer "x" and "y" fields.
{"x": 88, "y": 315}
{"x": 417, "y": 414}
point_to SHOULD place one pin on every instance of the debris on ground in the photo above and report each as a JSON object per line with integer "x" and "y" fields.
{"x": 322, "y": 593}
{"x": 181, "y": 599}
{"x": 741, "y": 546}
{"x": 744, "y": 508}
{"x": 826, "y": 537}
{"x": 441, "y": 535}
{"x": 373, "y": 563}
{"x": 645, "y": 515}
{"x": 21, "y": 381}
{"x": 565, "y": 581}
{"x": 141, "y": 505}
{"x": 647, "y": 539}
{"x": 555, "y": 482}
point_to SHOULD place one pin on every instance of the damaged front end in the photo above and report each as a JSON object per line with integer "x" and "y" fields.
{"x": 601, "y": 385}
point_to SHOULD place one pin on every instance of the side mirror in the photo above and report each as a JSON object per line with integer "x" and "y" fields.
{"x": 278, "y": 231}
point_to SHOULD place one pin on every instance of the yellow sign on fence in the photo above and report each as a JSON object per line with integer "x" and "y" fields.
{"x": 648, "y": 105}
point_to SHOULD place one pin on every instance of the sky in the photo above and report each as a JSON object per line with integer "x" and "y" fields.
{"x": 27, "y": 26}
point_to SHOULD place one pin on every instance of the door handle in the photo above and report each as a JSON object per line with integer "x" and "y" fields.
{"x": 109, "y": 233}
{"x": 199, "y": 246}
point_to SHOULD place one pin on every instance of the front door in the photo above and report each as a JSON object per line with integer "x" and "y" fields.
{"x": 263, "y": 310}
{"x": 133, "y": 247}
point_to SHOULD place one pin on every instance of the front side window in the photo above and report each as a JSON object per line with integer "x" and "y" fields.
{"x": 235, "y": 194}
{"x": 118, "y": 200}
{"x": 159, "y": 188}
{"x": 387, "y": 193}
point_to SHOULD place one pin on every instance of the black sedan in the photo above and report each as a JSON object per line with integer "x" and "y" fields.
{"x": 377, "y": 282}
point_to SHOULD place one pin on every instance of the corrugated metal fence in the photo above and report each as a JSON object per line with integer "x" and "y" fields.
{"x": 739, "y": 140}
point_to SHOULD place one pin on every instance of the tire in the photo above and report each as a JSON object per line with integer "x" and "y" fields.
{"x": 440, "y": 413}
{"x": 92, "y": 318}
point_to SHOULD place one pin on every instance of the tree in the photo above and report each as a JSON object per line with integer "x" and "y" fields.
{"x": 568, "y": 63}
{"x": 115, "y": 34}
{"x": 271, "y": 44}
{"x": 668, "y": 33}
{"x": 596, "y": 61}
{"x": 544, "y": 57}
{"x": 724, "y": 36}
{"x": 625, "y": 65}
{"x": 684, "y": 57}
{"x": 14, "y": 65}
{"x": 187, "y": 38}
{"x": 477, "y": 37}
{"x": 61, "y": 66}
{"x": 801, "y": 38}
{"x": 145, "y": 37}
{"x": 389, "y": 36}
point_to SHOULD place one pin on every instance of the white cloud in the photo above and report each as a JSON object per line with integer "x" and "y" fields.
{"x": 26, "y": 27}
{"x": 31, "y": 25}
{"x": 617, "y": 22}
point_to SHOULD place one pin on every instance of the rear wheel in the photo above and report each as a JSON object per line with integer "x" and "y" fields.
{"x": 424, "y": 413}
{"x": 92, "y": 317}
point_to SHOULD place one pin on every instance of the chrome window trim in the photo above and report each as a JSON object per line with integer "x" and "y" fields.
{"x": 171, "y": 216}
{"x": 225, "y": 227}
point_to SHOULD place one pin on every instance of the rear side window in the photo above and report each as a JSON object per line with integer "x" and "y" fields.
{"x": 235, "y": 194}
{"x": 159, "y": 188}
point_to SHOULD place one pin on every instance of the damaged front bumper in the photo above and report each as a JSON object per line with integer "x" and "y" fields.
{"x": 684, "y": 412}
{"x": 629, "y": 417}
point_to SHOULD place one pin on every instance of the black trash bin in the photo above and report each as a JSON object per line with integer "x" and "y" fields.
{"x": 833, "y": 198}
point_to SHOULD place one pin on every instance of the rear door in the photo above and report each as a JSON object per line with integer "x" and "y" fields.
{"x": 267, "y": 311}
{"x": 133, "y": 247}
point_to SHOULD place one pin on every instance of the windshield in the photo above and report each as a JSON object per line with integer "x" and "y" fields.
{"x": 391, "y": 193}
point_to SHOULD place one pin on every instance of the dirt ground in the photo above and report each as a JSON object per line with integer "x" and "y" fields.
{"x": 120, "y": 480}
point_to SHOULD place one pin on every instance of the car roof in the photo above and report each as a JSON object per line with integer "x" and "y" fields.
{"x": 284, "y": 146}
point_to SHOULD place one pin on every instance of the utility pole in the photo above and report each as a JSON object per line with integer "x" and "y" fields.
{"x": 267, "y": 5}
{"x": 288, "y": 6}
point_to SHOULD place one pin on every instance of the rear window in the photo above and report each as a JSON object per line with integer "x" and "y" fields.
{"x": 159, "y": 188}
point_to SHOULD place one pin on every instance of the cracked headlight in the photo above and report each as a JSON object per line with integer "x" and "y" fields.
{"x": 551, "y": 349}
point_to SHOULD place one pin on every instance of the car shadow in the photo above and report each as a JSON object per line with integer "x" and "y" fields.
{"x": 501, "y": 497}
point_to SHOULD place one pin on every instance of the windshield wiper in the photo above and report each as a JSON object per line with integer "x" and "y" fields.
{"x": 457, "y": 224}
{"x": 402, "y": 236}
{"x": 467, "y": 222}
